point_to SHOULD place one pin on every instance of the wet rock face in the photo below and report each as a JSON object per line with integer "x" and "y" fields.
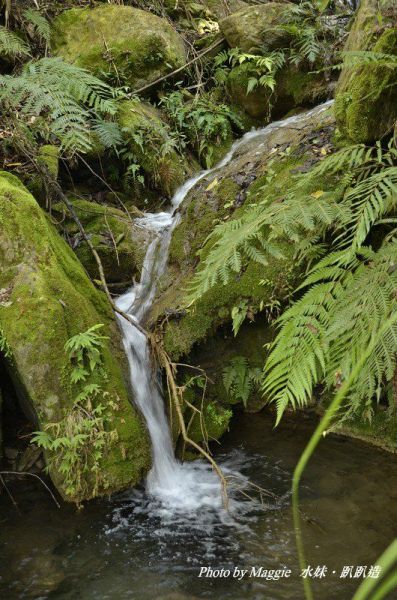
{"x": 132, "y": 46}
{"x": 226, "y": 194}
{"x": 366, "y": 98}
{"x": 46, "y": 299}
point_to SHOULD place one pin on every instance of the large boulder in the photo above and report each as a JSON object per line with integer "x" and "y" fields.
{"x": 257, "y": 27}
{"x": 119, "y": 242}
{"x": 46, "y": 298}
{"x": 366, "y": 98}
{"x": 225, "y": 194}
{"x": 133, "y": 46}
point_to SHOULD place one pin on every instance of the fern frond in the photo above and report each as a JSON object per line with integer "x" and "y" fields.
{"x": 357, "y": 58}
{"x": 260, "y": 234}
{"x": 41, "y": 26}
{"x": 11, "y": 45}
{"x": 69, "y": 98}
{"x": 371, "y": 199}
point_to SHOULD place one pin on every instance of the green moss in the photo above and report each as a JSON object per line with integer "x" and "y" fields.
{"x": 120, "y": 244}
{"x": 381, "y": 431}
{"x": 252, "y": 176}
{"x": 255, "y": 27}
{"x": 214, "y": 308}
{"x": 50, "y": 299}
{"x": 133, "y": 46}
{"x": 49, "y": 156}
{"x": 366, "y": 96}
{"x": 149, "y": 139}
{"x": 366, "y": 106}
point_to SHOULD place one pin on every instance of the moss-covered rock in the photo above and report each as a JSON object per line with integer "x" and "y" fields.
{"x": 212, "y": 424}
{"x": 256, "y": 27}
{"x": 366, "y": 98}
{"x": 225, "y": 194}
{"x": 120, "y": 244}
{"x": 46, "y": 299}
{"x": 149, "y": 139}
{"x": 133, "y": 46}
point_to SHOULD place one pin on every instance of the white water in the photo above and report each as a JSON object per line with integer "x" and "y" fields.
{"x": 187, "y": 486}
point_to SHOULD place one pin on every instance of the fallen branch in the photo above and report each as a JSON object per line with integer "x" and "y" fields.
{"x": 179, "y": 70}
{"x": 165, "y": 362}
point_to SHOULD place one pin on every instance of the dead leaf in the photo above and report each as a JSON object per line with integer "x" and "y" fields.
{"x": 212, "y": 185}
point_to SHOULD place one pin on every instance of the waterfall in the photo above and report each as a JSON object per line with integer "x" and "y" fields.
{"x": 187, "y": 485}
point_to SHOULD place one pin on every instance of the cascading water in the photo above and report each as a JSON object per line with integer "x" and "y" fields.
{"x": 178, "y": 486}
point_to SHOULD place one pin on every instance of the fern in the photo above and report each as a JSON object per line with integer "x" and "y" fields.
{"x": 41, "y": 27}
{"x": 349, "y": 295}
{"x": 261, "y": 233}
{"x": 69, "y": 99}
{"x": 345, "y": 297}
{"x": 371, "y": 199}
{"x": 240, "y": 379}
{"x": 11, "y": 45}
{"x": 359, "y": 58}
{"x": 84, "y": 352}
{"x": 322, "y": 334}
{"x": 108, "y": 132}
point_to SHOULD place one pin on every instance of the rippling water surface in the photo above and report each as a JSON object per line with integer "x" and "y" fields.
{"x": 132, "y": 546}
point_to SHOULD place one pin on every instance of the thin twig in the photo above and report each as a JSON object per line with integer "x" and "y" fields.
{"x": 11, "y": 497}
{"x": 30, "y": 475}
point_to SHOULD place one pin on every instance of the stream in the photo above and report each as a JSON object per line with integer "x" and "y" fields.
{"x": 177, "y": 486}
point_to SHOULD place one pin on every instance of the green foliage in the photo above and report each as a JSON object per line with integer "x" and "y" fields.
{"x": 84, "y": 352}
{"x": 76, "y": 443}
{"x": 261, "y": 232}
{"x": 149, "y": 145}
{"x": 53, "y": 99}
{"x": 309, "y": 44}
{"x": 200, "y": 122}
{"x": 264, "y": 68}
{"x": 240, "y": 380}
{"x": 359, "y": 58}
{"x": 219, "y": 419}
{"x": 41, "y": 27}
{"x": 239, "y": 312}
{"x": 11, "y": 45}
{"x": 348, "y": 295}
